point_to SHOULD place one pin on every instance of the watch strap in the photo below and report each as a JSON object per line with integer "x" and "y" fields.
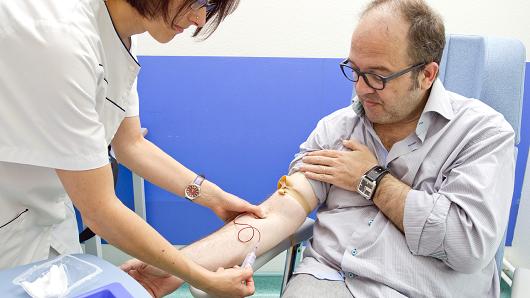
{"x": 199, "y": 179}
{"x": 376, "y": 173}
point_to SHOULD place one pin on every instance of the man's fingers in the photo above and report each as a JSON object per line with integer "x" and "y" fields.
{"x": 318, "y": 169}
{"x": 353, "y": 145}
{"x": 130, "y": 264}
{"x": 319, "y": 160}
{"x": 326, "y": 153}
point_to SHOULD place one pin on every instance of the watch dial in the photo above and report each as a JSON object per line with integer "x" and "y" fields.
{"x": 192, "y": 191}
{"x": 362, "y": 186}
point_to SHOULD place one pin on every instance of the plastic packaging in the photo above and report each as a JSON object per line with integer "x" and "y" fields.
{"x": 77, "y": 272}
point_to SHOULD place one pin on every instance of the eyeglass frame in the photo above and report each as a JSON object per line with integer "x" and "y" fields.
{"x": 209, "y": 4}
{"x": 384, "y": 79}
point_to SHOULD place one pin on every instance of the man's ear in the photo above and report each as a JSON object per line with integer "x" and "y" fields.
{"x": 429, "y": 75}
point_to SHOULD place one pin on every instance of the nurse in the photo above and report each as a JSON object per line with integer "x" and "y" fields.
{"x": 67, "y": 91}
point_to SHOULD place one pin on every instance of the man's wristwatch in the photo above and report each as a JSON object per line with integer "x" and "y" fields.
{"x": 369, "y": 181}
{"x": 193, "y": 190}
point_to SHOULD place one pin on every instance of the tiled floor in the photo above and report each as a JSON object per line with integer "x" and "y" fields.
{"x": 269, "y": 286}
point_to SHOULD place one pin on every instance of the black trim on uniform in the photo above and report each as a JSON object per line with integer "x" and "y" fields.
{"x": 20, "y": 214}
{"x": 118, "y": 35}
{"x": 114, "y": 104}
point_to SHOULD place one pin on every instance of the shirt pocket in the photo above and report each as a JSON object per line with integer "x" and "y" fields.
{"x": 10, "y": 227}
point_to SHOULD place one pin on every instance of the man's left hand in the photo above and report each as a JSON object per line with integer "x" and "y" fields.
{"x": 340, "y": 168}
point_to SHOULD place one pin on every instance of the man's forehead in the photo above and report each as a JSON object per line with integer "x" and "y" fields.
{"x": 380, "y": 37}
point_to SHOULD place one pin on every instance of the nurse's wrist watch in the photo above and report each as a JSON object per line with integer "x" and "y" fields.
{"x": 370, "y": 180}
{"x": 193, "y": 190}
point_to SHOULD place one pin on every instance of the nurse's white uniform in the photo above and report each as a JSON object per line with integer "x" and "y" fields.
{"x": 66, "y": 83}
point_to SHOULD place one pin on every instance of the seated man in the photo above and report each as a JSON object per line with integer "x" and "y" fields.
{"x": 412, "y": 181}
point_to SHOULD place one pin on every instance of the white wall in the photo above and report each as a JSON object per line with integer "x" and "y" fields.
{"x": 315, "y": 28}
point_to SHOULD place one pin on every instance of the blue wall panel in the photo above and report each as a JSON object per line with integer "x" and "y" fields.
{"x": 521, "y": 158}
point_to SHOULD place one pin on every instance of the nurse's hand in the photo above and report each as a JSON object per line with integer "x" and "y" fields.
{"x": 156, "y": 281}
{"x": 234, "y": 282}
{"x": 230, "y": 206}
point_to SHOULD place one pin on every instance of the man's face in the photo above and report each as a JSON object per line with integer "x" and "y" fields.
{"x": 379, "y": 45}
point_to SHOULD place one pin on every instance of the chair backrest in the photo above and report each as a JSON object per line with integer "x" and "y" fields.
{"x": 490, "y": 69}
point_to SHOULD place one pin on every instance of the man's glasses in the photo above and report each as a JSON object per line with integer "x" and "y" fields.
{"x": 209, "y": 4}
{"x": 374, "y": 81}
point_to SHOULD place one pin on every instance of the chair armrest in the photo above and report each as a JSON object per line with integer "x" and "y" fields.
{"x": 304, "y": 232}
{"x": 521, "y": 283}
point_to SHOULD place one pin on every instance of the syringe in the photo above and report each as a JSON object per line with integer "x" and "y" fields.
{"x": 250, "y": 258}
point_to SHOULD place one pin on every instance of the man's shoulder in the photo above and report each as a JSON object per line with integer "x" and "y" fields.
{"x": 475, "y": 111}
{"x": 341, "y": 116}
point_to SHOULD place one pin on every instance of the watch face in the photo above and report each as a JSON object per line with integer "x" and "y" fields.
{"x": 192, "y": 191}
{"x": 366, "y": 188}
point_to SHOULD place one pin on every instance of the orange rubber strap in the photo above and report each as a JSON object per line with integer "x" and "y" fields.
{"x": 285, "y": 187}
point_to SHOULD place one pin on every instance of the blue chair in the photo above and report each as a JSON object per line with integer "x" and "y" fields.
{"x": 488, "y": 68}
{"x": 491, "y": 69}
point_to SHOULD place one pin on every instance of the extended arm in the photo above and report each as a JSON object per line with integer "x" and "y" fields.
{"x": 223, "y": 249}
{"x": 284, "y": 215}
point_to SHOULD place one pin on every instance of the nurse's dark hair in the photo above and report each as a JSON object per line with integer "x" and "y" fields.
{"x": 160, "y": 8}
{"x": 426, "y": 34}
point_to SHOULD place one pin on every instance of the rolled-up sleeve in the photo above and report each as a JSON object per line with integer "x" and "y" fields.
{"x": 317, "y": 140}
{"x": 463, "y": 223}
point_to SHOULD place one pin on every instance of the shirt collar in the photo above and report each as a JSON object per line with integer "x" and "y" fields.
{"x": 438, "y": 102}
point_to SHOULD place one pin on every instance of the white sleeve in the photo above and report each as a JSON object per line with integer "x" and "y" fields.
{"x": 132, "y": 105}
{"x": 48, "y": 114}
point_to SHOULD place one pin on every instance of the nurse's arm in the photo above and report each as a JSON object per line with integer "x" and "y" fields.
{"x": 285, "y": 214}
{"x": 92, "y": 193}
{"x": 150, "y": 162}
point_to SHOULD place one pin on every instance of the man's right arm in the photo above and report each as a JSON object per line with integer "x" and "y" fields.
{"x": 284, "y": 215}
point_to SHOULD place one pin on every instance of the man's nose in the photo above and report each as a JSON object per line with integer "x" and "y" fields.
{"x": 361, "y": 87}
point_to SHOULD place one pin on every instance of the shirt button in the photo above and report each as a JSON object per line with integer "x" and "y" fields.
{"x": 370, "y": 222}
{"x": 354, "y": 252}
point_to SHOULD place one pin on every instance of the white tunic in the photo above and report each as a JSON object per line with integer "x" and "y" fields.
{"x": 66, "y": 83}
